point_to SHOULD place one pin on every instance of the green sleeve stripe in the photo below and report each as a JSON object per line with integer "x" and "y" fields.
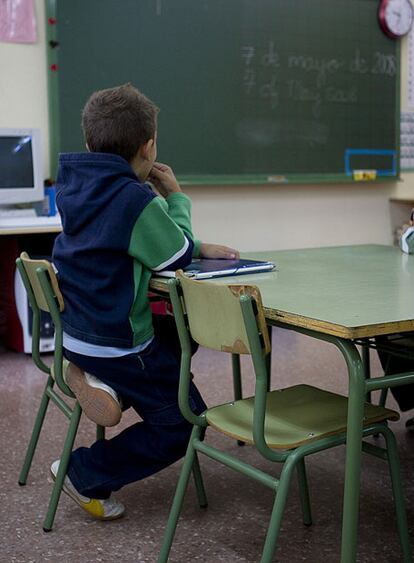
{"x": 175, "y": 202}
{"x": 157, "y": 238}
{"x": 179, "y": 209}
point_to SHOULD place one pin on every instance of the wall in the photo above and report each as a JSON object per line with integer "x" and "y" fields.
{"x": 250, "y": 218}
{"x": 23, "y": 85}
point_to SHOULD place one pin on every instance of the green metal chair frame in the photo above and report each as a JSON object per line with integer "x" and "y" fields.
{"x": 43, "y": 292}
{"x": 284, "y": 425}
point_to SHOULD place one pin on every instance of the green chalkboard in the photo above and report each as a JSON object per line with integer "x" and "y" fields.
{"x": 249, "y": 90}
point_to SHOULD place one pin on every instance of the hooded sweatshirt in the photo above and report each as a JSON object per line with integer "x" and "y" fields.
{"x": 116, "y": 233}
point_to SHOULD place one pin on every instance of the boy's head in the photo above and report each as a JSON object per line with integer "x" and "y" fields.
{"x": 119, "y": 120}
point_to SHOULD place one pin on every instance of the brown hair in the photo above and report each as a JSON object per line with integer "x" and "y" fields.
{"x": 119, "y": 120}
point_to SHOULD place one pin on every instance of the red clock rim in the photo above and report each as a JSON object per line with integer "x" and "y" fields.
{"x": 381, "y": 17}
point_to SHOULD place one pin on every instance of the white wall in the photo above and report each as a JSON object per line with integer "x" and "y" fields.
{"x": 250, "y": 218}
{"x": 23, "y": 85}
{"x": 266, "y": 217}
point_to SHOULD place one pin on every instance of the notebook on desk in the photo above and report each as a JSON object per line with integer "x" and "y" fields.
{"x": 202, "y": 268}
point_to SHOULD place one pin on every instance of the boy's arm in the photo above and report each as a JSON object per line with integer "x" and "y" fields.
{"x": 163, "y": 179}
{"x": 178, "y": 213}
{"x": 158, "y": 242}
{"x": 201, "y": 249}
{"x": 166, "y": 183}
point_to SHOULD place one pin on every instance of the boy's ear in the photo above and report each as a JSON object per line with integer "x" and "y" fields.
{"x": 145, "y": 149}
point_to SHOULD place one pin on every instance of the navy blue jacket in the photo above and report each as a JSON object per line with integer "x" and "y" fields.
{"x": 116, "y": 231}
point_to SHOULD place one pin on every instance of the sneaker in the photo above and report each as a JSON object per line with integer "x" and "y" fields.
{"x": 102, "y": 509}
{"x": 99, "y": 402}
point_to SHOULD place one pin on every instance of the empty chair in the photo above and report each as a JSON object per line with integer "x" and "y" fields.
{"x": 284, "y": 425}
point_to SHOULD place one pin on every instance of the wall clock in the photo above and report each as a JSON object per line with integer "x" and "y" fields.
{"x": 396, "y": 17}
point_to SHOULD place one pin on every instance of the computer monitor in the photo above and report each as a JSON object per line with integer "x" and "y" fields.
{"x": 21, "y": 178}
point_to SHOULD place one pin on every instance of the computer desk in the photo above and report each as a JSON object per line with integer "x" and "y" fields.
{"x": 342, "y": 295}
{"x": 36, "y": 240}
{"x": 30, "y": 230}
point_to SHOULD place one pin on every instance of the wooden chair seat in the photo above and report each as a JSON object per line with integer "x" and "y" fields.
{"x": 294, "y": 416}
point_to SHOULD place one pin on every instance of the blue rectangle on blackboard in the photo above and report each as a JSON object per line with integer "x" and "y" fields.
{"x": 349, "y": 153}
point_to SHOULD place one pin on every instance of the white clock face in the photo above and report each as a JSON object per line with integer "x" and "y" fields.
{"x": 399, "y": 16}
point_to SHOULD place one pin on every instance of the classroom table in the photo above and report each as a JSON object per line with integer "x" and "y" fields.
{"x": 341, "y": 295}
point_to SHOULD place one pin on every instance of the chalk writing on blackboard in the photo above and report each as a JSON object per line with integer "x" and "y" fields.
{"x": 270, "y": 76}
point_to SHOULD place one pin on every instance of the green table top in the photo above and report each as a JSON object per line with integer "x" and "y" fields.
{"x": 348, "y": 291}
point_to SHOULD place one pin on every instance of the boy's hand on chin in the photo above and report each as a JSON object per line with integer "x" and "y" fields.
{"x": 218, "y": 251}
{"x": 163, "y": 179}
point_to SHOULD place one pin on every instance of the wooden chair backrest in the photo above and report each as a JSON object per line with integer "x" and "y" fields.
{"x": 30, "y": 266}
{"x": 215, "y": 316}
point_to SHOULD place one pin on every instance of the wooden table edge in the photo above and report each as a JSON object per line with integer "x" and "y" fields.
{"x": 317, "y": 325}
{"x": 346, "y": 332}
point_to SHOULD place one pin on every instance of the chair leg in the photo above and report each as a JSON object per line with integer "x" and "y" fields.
{"x": 64, "y": 461}
{"x": 100, "y": 432}
{"x": 35, "y": 434}
{"x": 179, "y": 496}
{"x": 278, "y": 509}
{"x": 400, "y": 508}
{"x": 304, "y": 493}
{"x": 384, "y": 392}
{"x": 237, "y": 383}
{"x": 199, "y": 484}
{"x": 383, "y": 397}
{"x": 269, "y": 361}
{"x": 366, "y": 364}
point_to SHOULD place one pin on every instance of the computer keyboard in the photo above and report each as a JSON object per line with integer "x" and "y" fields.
{"x": 29, "y": 222}
{"x": 10, "y": 212}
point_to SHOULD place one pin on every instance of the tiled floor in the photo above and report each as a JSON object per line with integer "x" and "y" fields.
{"x": 232, "y": 529}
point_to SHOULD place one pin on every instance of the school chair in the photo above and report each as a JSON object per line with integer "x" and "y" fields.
{"x": 43, "y": 294}
{"x": 284, "y": 425}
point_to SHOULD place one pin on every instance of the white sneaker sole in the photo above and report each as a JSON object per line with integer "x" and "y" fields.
{"x": 95, "y": 398}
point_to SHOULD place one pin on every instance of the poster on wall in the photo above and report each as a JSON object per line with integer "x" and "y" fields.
{"x": 407, "y": 140}
{"x": 410, "y": 81}
{"x": 17, "y": 21}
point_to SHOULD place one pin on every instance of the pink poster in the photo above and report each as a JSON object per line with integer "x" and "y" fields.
{"x": 17, "y": 21}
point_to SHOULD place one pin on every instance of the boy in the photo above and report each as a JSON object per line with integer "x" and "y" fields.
{"x": 116, "y": 233}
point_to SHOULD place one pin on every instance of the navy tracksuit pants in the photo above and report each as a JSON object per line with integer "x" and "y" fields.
{"x": 147, "y": 382}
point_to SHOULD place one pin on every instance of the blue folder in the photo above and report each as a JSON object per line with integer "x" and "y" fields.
{"x": 203, "y": 268}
